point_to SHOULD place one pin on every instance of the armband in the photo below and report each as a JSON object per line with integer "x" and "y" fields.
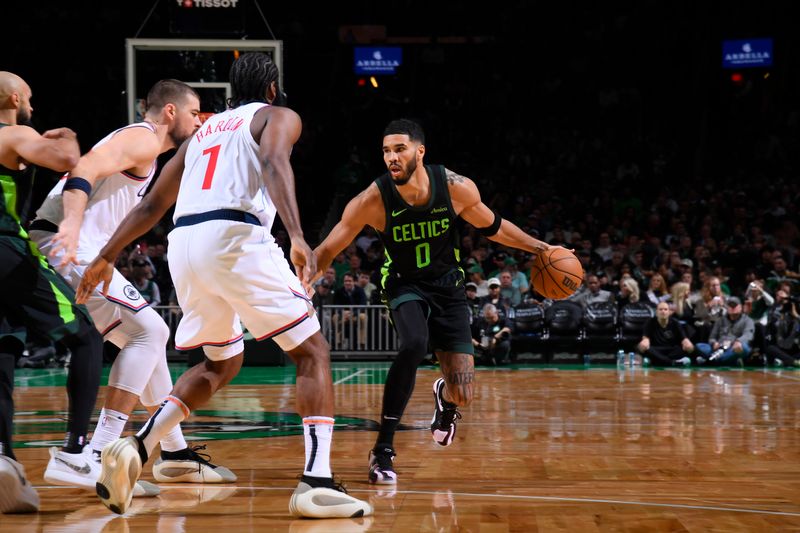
{"x": 493, "y": 228}
{"x": 78, "y": 183}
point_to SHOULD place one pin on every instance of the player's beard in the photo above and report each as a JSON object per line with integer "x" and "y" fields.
{"x": 24, "y": 118}
{"x": 409, "y": 171}
{"x": 178, "y": 140}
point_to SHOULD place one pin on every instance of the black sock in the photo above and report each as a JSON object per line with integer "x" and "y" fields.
{"x": 83, "y": 381}
{"x": 386, "y": 432}
{"x": 314, "y": 482}
{"x": 179, "y": 455}
{"x": 142, "y": 449}
{"x": 7, "y": 361}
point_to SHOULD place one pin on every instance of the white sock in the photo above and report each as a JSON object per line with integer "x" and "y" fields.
{"x": 109, "y": 428}
{"x": 173, "y": 441}
{"x": 171, "y": 413}
{"x": 318, "y": 433}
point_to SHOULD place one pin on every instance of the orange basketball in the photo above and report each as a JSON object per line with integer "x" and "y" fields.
{"x": 556, "y": 274}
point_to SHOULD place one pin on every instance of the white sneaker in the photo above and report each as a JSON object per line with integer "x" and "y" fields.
{"x": 16, "y": 493}
{"x": 188, "y": 466}
{"x": 121, "y": 467}
{"x": 683, "y": 361}
{"x": 72, "y": 469}
{"x": 83, "y": 470}
{"x": 328, "y": 501}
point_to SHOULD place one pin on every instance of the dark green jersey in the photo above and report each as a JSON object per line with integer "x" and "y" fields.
{"x": 14, "y": 186}
{"x": 421, "y": 242}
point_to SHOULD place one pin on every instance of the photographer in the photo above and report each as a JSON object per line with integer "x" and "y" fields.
{"x": 757, "y": 303}
{"x": 491, "y": 337}
{"x": 730, "y": 338}
{"x": 783, "y": 328}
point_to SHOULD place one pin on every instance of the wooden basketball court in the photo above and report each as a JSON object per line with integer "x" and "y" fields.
{"x": 541, "y": 449}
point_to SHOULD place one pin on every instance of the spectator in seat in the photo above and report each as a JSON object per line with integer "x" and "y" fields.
{"x": 604, "y": 248}
{"x": 664, "y": 340}
{"x": 373, "y": 258}
{"x": 730, "y": 338}
{"x": 709, "y": 307}
{"x": 323, "y": 297}
{"x": 330, "y": 277}
{"x": 496, "y": 298}
{"x": 518, "y": 279}
{"x": 757, "y": 300}
{"x": 491, "y": 337}
{"x": 368, "y": 287}
{"x": 507, "y": 289}
{"x": 350, "y": 294}
{"x": 498, "y": 264}
{"x": 688, "y": 277}
{"x": 782, "y": 347}
{"x": 473, "y": 302}
{"x": 781, "y": 273}
{"x": 594, "y": 293}
{"x": 142, "y": 279}
{"x": 628, "y": 292}
{"x": 657, "y": 290}
{"x": 475, "y": 275}
{"x": 681, "y": 307}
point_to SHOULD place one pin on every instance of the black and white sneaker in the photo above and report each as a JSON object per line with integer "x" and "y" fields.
{"x": 443, "y": 424}
{"x": 188, "y": 466}
{"x": 381, "y": 468}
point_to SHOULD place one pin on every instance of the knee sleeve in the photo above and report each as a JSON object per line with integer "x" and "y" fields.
{"x": 146, "y": 347}
{"x": 159, "y": 386}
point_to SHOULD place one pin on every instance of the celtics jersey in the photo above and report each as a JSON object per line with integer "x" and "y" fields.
{"x": 15, "y": 185}
{"x": 421, "y": 242}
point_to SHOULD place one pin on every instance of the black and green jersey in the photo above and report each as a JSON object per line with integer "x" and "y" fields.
{"x": 14, "y": 186}
{"x": 421, "y": 242}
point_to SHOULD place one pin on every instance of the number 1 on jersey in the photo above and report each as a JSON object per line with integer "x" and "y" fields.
{"x": 213, "y": 152}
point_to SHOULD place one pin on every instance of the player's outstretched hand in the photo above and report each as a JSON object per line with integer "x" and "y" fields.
{"x": 65, "y": 242}
{"x": 305, "y": 263}
{"x": 98, "y": 271}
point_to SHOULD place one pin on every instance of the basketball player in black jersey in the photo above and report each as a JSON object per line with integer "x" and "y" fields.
{"x": 413, "y": 208}
{"x": 35, "y": 298}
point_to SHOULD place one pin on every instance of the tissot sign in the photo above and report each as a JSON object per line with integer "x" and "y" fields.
{"x": 745, "y": 53}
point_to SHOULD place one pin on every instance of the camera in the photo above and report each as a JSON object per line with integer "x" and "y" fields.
{"x": 789, "y": 302}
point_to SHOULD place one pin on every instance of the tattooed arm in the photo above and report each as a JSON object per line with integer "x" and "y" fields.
{"x": 468, "y": 205}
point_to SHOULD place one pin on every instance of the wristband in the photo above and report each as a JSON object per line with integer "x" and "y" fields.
{"x": 78, "y": 183}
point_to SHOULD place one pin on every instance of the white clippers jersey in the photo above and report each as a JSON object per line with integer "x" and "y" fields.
{"x": 222, "y": 169}
{"x": 111, "y": 200}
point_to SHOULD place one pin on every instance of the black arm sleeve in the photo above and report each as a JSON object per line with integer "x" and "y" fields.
{"x": 493, "y": 228}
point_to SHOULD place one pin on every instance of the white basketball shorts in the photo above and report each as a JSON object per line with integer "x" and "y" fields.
{"x": 231, "y": 273}
{"x": 107, "y": 312}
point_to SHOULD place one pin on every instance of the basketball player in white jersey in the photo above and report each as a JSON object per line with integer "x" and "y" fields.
{"x": 229, "y": 179}
{"x": 74, "y": 222}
